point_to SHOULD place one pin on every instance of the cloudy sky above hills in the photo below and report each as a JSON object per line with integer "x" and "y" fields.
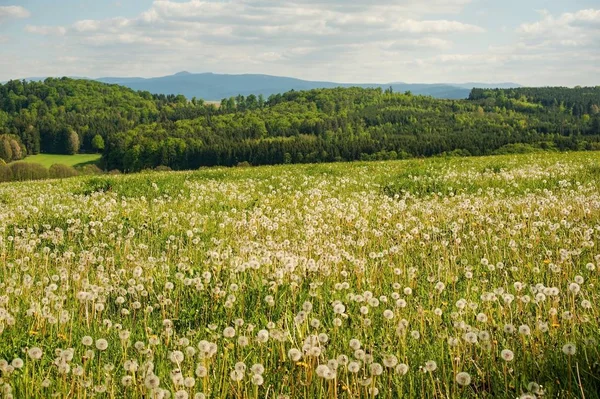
{"x": 532, "y": 42}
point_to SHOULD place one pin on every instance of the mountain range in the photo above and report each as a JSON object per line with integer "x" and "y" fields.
{"x": 214, "y": 87}
{"x": 211, "y": 86}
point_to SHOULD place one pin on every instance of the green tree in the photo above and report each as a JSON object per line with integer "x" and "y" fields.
{"x": 98, "y": 143}
{"x": 72, "y": 145}
{"x": 5, "y": 149}
{"x": 15, "y": 147}
{"x": 596, "y": 125}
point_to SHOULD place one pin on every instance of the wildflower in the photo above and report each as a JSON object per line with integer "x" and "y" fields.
{"x": 124, "y": 335}
{"x": 229, "y": 332}
{"x": 181, "y": 394}
{"x": 339, "y": 308}
{"x": 590, "y": 266}
{"x": 322, "y": 370}
{"x": 470, "y": 337}
{"x": 294, "y": 354}
{"x": 390, "y": 361}
{"x": 35, "y": 353}
{"x": 241, "y": 367}
{"x": 101, "y": 344}
{"x": 507, "y": 355}
{"x": 402, "y": 369}
{"x": 375, "y": 369}
{"x": 189, "y": 382}
{"x": 509, "y": 328}
{"x": 257, "y": 379}
{"x": 127, "y": 381}
{"x": 236, "y": 375}
{"x": 131, "y": 366}
{"x": 463, "y": 378}
{"x": 574, "y": 288}
{"x": 524, "y": 330}
{"x": 342, "y": 359}
{"x": 569, "y": 349}
{"x": 152, "y": 381}
{"x": 201, "y": 371}
{"x": 586, "y": 304}
{"x": 353, "y": 367}
{"x": 431, "y": 366}
{"x": 262, "y": 336}
{"x": 176, "y": 357}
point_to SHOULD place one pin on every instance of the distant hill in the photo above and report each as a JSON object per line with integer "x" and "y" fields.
{"x": 215, "y": 87}
{"x": 210, "y": 86}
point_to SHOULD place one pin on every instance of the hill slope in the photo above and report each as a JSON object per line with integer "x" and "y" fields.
{"x": 139, "y": 130}
{"x": 43, "y": 114}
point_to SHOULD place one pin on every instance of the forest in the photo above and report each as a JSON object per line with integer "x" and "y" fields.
{"x": 139, "y": 130}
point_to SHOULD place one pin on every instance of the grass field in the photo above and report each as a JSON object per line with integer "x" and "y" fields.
{"x": 71, "y": 160}
{"x": 439, "y": 278}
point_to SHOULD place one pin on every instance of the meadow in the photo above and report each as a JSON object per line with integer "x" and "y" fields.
{"x": 436, "y": 278}
{"x": 48, "y": 160}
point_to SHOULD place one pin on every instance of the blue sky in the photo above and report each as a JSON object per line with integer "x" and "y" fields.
{"x": 532, "y": 42}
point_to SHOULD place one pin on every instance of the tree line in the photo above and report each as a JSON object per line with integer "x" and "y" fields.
{"x": 138, "y": 130}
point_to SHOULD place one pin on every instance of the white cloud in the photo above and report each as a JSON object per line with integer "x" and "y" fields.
{"x": 46, "y": 30}
{"x": 313, "y": 39}
{"x": 577, "y": 29}
{"x": 339, "y": 40}
{"x": 87, "y": 25}
{"x": 420, "y": 44}
{"x": 271, "y": 25}
{"x": 12, "y": 12}
{"x": 440, "y": 26}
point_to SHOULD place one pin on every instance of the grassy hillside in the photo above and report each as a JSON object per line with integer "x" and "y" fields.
{"x": 437, "y": 278}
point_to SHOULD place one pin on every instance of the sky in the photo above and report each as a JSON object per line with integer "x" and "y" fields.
{"x": 530, "y": 42}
